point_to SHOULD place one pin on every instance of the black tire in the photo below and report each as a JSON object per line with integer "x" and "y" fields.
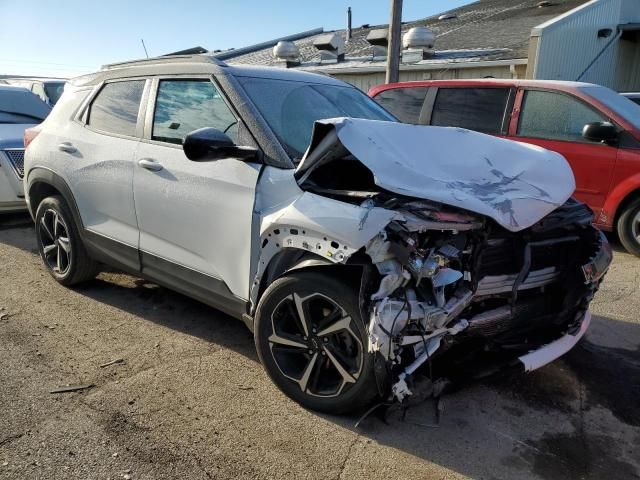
{"x": 323, "y": 299}
{"x": 629, "y": 228}
{"x": 75, "y": 264}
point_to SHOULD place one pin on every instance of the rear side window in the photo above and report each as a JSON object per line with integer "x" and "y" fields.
{"x": 404, "y": 103}
{"x": 555, "y": 116}
{"x": 115, "y": 109}
{"x": 183, "y": 106}
{"x": 479, "y": 109}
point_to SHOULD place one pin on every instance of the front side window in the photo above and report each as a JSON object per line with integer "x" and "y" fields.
{"x": 291, "y": 108}
{"x": 555, "y": 116}
{"x": 404, "y": 103}
{"x": 115, "y": 109}
{"x": 479, "y": 109}
{"x": 183, "y": 106}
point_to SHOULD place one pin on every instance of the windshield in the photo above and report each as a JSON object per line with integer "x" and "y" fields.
{"x": 54, "y": 91}
{"x": 291, "y": 108}
{"x": 18, "y": 105}
{"x": 616, "y": 102}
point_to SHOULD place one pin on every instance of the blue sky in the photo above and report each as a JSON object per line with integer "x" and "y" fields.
{"x": 71, "y": 37}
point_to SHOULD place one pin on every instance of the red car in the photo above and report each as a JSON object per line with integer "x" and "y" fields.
{"x": 596, "y": 129}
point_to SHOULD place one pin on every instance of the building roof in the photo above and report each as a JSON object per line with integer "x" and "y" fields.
{"x": 485, "y": 30}
{"x": 193, "y": 64}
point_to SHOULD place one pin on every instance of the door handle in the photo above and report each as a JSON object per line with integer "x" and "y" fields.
{"x": 67, "y": 147}
{"x": 150, "y": 164}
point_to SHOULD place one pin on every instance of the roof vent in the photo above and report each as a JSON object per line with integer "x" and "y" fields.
{"x": 287, "y": 52}
{"x": 544, "y": 3}
{"x": 418, "y": 44}
{"x": 331, "y": 47}
{"x": 379, "y": 39}
{"x": 447, "y": 16}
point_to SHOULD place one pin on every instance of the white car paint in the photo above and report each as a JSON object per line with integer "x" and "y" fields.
{"x": 197, "y": 214}
{"x": 227, "y": 219}
{"x": 554, "y": 350}
{"x": 515, "y": 184}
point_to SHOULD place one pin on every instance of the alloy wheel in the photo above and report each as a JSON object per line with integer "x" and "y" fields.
{"x": 54, "y": 239}
{"x": 635, "y": 226}
{"x": 313, "y": 343}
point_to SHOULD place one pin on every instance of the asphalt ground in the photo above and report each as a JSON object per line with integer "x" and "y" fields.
{"x": 190, "y": 399}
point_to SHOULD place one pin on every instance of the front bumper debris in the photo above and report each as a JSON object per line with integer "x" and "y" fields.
{"x": 598, "y": 265}
{"x": 554, "y": 350}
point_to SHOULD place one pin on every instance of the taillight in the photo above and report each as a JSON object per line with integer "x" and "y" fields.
{"x": 29, "y": 135}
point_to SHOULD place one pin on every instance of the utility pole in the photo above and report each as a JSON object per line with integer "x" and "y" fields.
{"x": 393, "y": 54}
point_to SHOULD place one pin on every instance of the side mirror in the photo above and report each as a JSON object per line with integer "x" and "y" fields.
{"x": 206, "y": 144}
{"x": 600, "y": 132}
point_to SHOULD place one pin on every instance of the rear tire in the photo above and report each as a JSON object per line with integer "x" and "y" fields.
{"x": 313, "y": 343}
{"x": 629, "y": 228}
{"x": 59, "y": 243}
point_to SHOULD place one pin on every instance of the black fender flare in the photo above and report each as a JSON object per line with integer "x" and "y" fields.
{"x": 44, "y": 176}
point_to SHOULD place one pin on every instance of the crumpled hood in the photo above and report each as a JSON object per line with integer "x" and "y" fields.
{"x": 513, "y": 183}
{"x": 11, "y": 135}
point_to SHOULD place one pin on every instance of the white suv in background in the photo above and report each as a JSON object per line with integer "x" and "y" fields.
{"x": 19, "y": 110}
{"x": 355, "y": 247}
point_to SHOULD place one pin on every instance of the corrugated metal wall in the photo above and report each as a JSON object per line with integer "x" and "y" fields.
{"x": 364, "y": 81}
{"x": 568, "y": 46}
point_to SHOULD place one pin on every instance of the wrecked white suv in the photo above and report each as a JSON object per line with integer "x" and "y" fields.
{"x": 356, "y": 248}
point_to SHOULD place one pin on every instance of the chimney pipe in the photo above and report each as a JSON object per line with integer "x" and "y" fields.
{"x": 348, "y": 23}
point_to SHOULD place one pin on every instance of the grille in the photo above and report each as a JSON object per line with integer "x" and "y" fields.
{"x": 16, "y": 157}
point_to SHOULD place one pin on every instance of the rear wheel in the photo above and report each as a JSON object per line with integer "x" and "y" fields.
{"x": 312, "y": 342}
{"x": 59, "y": 243}
{"x": 629, "y": 228}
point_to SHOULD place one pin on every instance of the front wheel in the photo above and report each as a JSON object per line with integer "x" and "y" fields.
{"x": 629, "y": 228}
{"x": 312, "y": 342}
{"x": 59, "y": 243}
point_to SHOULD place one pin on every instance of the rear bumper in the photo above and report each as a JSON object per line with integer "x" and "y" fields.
{"x": 554, "y": 350}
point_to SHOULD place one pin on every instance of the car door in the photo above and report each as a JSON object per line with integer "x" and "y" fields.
{"x": 554, "y": 120}
{"x": 195, "y": 218}
{"x": 98, "y": 153}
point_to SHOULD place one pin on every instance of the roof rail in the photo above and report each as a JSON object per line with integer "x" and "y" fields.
{"x": 198, "y": 58}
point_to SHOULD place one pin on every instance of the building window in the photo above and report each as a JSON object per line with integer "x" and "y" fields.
{"x": 115, "y": 109}
{"x": 404, "y": 103}
{"x": 479, "y": 109}
{"x": 555, "y": 116}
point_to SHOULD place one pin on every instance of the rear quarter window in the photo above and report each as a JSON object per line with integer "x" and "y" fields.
{"x": 115, "y": 108}
{"x": 404, "y": 103}
{"x": 479, "y": 109}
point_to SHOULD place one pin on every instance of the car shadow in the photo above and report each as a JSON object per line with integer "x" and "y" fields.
{"x": 170, "y": 309}
{"x": 510, "y": 421}
{"x": 17, "y": 230}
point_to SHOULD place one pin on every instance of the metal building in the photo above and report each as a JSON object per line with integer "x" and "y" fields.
{"x": 598, "y": 42}
{"x": 595, "y": 41}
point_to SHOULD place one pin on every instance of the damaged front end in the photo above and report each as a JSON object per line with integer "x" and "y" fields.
{"x": 477, "y": 297}
{"x": 484, "y": 262}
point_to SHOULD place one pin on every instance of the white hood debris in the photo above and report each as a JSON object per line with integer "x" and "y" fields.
{"x": 513, "y": 183}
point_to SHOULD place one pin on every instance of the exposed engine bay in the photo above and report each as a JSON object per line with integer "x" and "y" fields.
{"x": 451, "y": 281}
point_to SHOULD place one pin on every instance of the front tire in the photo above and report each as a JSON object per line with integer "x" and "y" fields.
{"x": 59, "y": 243}
{"x": 629, "y": 228}
{"x": 312, "y": 342}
